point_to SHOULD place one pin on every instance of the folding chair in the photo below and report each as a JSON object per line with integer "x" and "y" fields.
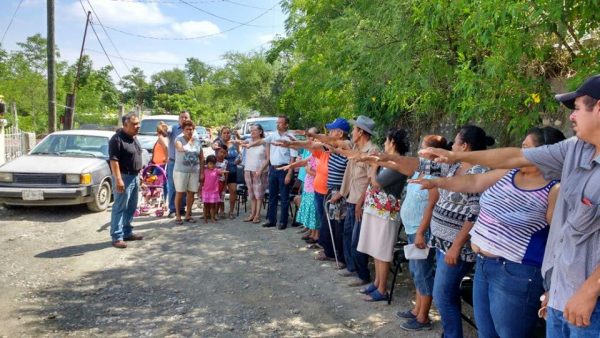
{"x": 241, "y": 190}
{"x": 398, "y": 260}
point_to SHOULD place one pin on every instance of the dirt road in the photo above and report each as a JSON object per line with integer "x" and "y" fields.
{"x": 59, "y": 277}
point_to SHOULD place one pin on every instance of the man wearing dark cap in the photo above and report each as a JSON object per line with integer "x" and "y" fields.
{"x": 571, "y": 266}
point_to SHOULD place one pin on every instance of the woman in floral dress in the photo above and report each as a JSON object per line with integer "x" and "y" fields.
{"x": 380, "y": 217}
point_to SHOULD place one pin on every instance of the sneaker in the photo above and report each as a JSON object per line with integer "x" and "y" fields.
{"x": 357, "y": 282}
{"x": 346, "y": 273}
{"x": 415, "y": 325}
{"x": 405, "y": 315}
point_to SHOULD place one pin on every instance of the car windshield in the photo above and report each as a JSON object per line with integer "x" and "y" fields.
{"x": 73, "y": 145}
{"x": 148, "y": 126}
{"x": 267, "y": 125}
{"x": 201, "y": 130}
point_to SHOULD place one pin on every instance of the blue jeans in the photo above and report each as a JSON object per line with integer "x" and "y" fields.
{"x": 421, "y": 270}
{"x": 446, "y": 294}
{"x": 171, "y": 188}
{"x": 124, "y": 207}
{"x": 278, "y": 191}
{"x": 349, "y": 222}
{"x": 506, "y": 298}
{"x": 558, "y": 327}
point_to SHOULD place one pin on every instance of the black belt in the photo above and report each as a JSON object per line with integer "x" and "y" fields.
{"x": 278, "y": 166}
{"x": 129, "y": 172}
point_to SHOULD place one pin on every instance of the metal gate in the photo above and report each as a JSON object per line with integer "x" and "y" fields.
{"x": 13, "y": 143}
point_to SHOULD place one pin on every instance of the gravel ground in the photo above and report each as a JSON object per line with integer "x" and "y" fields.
{"x": 59, "y": 276}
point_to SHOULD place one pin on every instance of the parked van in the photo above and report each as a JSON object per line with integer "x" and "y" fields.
{"x": 149, "y": 123}
{"x": 268, "y": 123}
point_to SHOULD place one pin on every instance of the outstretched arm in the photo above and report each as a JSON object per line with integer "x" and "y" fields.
{"x": 477, "y": 183}
{"x": 501, "y": 158}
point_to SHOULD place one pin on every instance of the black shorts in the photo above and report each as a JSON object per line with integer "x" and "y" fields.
{"x": 232, "y": 176}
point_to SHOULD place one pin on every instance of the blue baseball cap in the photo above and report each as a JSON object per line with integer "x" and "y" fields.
{"x": 339, "y": 123}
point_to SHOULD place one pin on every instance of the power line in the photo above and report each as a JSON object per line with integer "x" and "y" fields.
{"x": 100, "y": 42}
{"x": 242, "y": 5}
{"x": 167, "y": 1}
{"x": 11, "y": 21}
{"x": 108, "y": 36}
{"x": 105, "y": 53}
{"x": 192, "y": 37}
{"x": 218, "y": 16}
{"x": 141, "y": 61}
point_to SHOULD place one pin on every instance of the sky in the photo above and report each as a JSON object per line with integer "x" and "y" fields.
{"x": 177, "y": 29}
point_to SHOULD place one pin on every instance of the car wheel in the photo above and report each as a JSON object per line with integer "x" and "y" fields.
{"x": 102, "y": 198}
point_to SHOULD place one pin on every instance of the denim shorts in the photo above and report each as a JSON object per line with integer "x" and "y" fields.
{"x": 421, "y": 270}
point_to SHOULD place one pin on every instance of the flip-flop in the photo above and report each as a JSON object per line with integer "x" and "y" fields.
{"x": 303, "y": 230}
{"x": 376, "y": 296}
{"x": 190, "y": 220}
{"x": 248, "y": 219}
{"x": 178, "y": 221}
{"x": 256, "y": 221}
{"x": 368, "y": 289}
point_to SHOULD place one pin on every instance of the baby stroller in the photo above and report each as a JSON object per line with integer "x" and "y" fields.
{"x": 154, "y": 178}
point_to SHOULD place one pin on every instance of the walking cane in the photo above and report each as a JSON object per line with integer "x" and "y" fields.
{"x": 326, "y": 206}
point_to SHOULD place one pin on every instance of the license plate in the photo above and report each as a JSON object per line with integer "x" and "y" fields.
{"x": 33, "y": 195}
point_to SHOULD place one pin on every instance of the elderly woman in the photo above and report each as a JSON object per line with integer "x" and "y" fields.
{"x": 380, "y": 225}
{"x": 255, "y": 173}
{"x": 233, "y": 159}
{"x": 509, "y": 238}
{"x": 187, "y": 171}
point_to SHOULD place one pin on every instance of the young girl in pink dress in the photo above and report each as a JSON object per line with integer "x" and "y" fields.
{"x": 210, "y": 188}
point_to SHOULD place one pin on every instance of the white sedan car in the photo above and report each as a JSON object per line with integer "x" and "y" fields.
{"x": 66, "y": 167}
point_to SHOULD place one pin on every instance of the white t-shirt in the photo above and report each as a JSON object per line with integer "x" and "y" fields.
{"x": 255, "y": 158}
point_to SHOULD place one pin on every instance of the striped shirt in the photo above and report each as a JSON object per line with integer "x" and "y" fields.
{"x": 512, "y": 221}
{"x": 452, "y": 210}
{"x": 337, "y": 168}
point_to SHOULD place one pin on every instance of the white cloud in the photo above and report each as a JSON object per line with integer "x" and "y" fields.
{"x": 188, "y": 29}
{"x": 123, "y": 13}
{"x": 266, "y": 38}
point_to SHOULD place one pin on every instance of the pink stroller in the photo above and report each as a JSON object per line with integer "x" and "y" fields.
{"x": 152, "y": 189}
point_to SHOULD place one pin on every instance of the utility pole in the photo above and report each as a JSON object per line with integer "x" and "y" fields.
{"x": 70, "y": 106}
{"x": 51, "y": 68}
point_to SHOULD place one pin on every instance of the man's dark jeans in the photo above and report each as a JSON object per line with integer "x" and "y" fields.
{"x": 325, "y": 235}
{"x": 278, "y": 191}
{"x": 356, "y": 261}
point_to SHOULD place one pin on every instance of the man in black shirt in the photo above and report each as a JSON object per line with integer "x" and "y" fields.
{"x": 125, "y": 155}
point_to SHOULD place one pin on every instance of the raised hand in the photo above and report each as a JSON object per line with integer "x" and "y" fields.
{"x": 282, "y": 143}
{"x": 438, "y": 155}
{"x": 285, "y": 167}
{"x": 425, "y": 183}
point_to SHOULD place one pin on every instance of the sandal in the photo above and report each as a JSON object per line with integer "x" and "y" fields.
{"x": 190, "y": 220}
{"x": 303, "y": 230}
{"x": 231, "y": 216}
{"x": 311, "y": 241}
{"x": 321, "y": 257}
{"x": 256, "y": 221}
{"x": 248, "y": 219}
{"x": 368, "y": 289}
{"x": 313, "y": 246}
{"x": 376, "y": 296}
{"x": 178, "y": 222}
{"x": 305, "y": 237}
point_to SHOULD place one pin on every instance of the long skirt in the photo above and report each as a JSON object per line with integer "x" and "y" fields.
{"x": 307, "y": 215}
